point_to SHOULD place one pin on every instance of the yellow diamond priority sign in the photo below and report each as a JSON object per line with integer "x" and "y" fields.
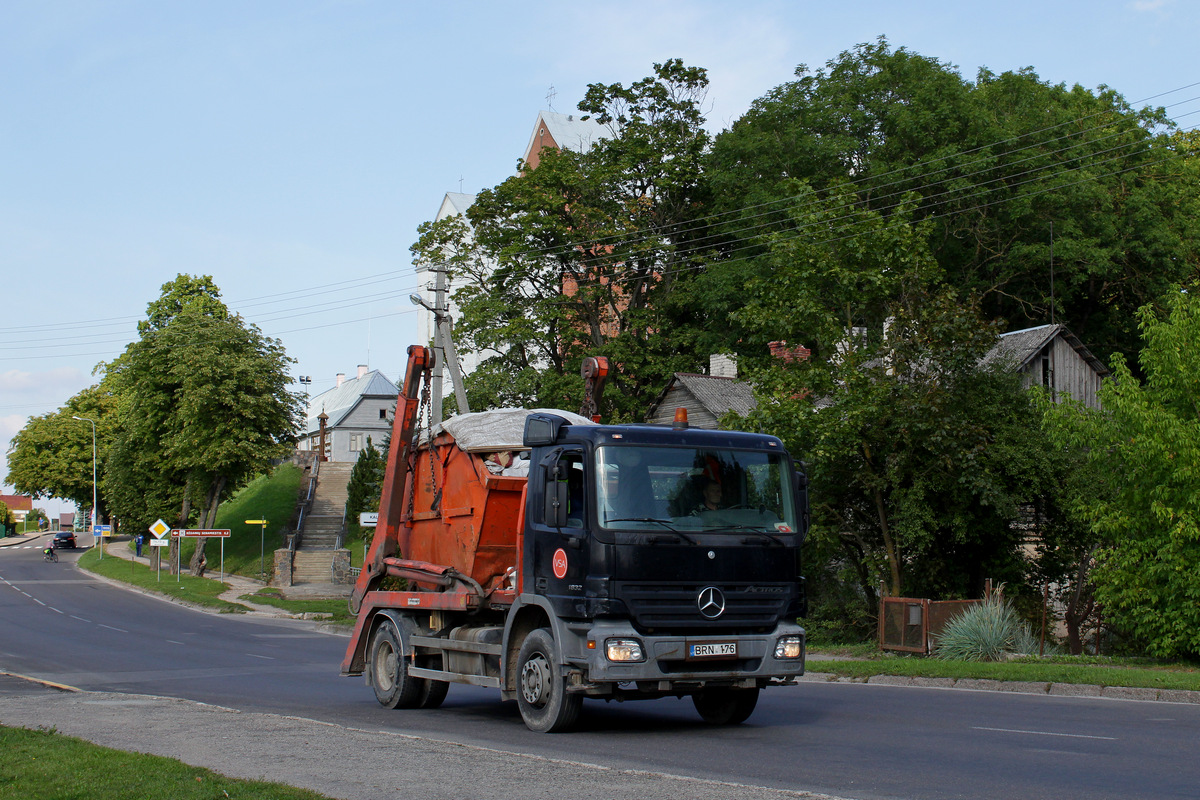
{"x": 160, "y": 529}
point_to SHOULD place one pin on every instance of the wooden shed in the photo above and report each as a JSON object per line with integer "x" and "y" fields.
{"x": 707, "y": 398}
{"x": 1052, "y": 356}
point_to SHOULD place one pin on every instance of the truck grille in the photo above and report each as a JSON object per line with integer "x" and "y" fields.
{"x": 673, "y": 607}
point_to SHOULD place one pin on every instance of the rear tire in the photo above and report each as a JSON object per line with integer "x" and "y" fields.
{"x": 542, "y": 697}
{"x": 394, "y": 687}
{"x": 434, "y": 694}
{"x": 725, "y": 706}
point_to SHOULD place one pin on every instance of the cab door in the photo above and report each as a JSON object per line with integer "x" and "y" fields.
{"x": 557, "y": 539}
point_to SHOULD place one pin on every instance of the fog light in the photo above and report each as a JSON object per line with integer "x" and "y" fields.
{"x": 624, "y": 650}
{"x": 789, "y": 647}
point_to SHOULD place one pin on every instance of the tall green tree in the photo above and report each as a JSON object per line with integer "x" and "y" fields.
{"x": 920, "y": 455}
{"x": 1144, "y": 454}
{"x": 204, "y": 406}
{"x": 574, "y": 258}
{"x": 1004, "y": 168}
{"x": 365, "y": 488}
{"x": 51, "y": 455}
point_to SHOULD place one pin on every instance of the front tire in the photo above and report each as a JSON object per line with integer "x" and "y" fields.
{"x": 394, "y": 687}
{"x": 545, "y": 705}
{"x": 725, "y": 706}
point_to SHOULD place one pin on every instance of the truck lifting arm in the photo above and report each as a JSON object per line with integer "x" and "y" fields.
{"x": 391, "y": 532}
{"x": 595, "y": 372}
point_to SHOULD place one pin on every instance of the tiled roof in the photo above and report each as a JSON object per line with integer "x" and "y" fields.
{"x": 569, "y": 131}
{"x": 457, "y": 203}
{"x": 341, "y": 400}
{"x": 17, "y": 502}
{"x": 717, "y": 396}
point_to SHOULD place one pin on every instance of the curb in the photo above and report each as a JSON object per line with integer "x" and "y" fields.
{"x": 1017, "y": 687}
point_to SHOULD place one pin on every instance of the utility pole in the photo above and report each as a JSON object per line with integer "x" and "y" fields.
{"x": 443, "y": 347}
{"x": 439, "y": 342}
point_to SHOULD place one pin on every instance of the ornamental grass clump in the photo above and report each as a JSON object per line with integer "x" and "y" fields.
{"x": 989, "y": 631}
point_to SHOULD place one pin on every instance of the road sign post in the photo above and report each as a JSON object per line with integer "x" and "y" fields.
{"x": 262, "y": 543}
{"x": 158, "y": 530}
{"x": 205, "y": 533}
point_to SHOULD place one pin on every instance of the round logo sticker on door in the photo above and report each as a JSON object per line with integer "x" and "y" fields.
{"x": 559, "y": 563}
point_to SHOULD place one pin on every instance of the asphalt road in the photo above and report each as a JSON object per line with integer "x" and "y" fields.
{"x": 299, "y": 721}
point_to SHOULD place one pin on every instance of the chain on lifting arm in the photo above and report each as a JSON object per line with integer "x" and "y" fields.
{"x": 595, "y": 372}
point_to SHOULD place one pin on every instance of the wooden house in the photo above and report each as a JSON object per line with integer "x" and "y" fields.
{"x": 1052, "y": 356}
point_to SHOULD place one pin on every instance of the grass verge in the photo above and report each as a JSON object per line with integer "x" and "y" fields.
{"x": 250, "y": 548}
{"x": 189, "y": 589}
{"x": 1133, "y": 673}
{"x": 41, "y": 765}
{"x": 337, "y": 607}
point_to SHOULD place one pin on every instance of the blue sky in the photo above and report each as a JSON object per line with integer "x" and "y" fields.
{"x": 290, "y": 149}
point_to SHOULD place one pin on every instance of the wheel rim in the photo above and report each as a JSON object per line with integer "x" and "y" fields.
{"x": 535, "y": 680}
{"x": 385, "y": 666}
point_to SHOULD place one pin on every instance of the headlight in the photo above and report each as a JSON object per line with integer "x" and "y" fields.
{"x": 624, "y": 650}
{"x": 789, "y": 647}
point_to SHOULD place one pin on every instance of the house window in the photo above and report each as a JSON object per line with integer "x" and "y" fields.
{"x": 383, "y": 413}
{"x": 356, "y": 442}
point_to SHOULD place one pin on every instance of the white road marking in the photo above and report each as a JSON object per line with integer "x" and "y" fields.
{"x": 52, "y": 608}
{"x": 81, "y": 619}
{"x": 1047, "y": 733}
{"x": 111, "y": 628}
{"x": 172, "y": 641}
{"x": 268, "y": 658}
{"x": 39, "y": 602}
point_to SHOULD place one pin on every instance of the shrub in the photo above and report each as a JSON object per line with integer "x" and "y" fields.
{"x": 989, "y": 631}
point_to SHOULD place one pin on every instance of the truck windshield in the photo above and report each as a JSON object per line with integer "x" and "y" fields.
{"x": 689, "y": 489}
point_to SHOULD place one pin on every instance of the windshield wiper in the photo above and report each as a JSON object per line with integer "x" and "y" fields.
{"x": 665, "y": 523}
{"x": 770, "y": 536}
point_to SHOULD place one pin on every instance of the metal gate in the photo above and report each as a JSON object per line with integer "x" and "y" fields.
{"x": 911, "y": 625}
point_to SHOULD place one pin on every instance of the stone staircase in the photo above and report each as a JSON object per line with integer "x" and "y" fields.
{"x": 322, "y": 524}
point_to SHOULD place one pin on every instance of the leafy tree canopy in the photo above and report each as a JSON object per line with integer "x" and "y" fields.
{"x": 52, "y": 455}
{"x": 204, "y": 406}
{"x": 574, "y": 258}
{"x": 992, "y": 165}
{"x": 1144, "y": 452}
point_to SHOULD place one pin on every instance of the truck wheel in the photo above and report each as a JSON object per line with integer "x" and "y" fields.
{"x": 725, "y": 706}
{"x": 433, "y": 692}
{"x": 541, "y": 691}
{"x": 394, "y": 687}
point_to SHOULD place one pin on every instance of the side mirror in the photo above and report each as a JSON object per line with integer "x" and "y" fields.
{"x": 542, "y": 429}
{"x": 800, "y": 493}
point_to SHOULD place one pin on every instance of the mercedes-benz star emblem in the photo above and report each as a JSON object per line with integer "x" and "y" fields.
{"x": 711, "y": 602}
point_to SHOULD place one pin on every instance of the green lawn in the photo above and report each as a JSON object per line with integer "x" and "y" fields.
{"x": 185, "y": 587}
{"x": 42, "y": 765}
{"x": 271, "y": 497}
{"x": 1135, "y": 673}
{"x": 337, "y": 607}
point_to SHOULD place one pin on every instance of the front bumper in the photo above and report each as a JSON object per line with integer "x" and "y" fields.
{"x": 667, "y": 668}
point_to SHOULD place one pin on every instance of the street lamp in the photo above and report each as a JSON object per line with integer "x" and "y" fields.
{"x": 85, "y": 419}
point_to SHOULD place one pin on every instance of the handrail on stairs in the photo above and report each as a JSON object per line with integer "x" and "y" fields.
{"x": 305, "y": 504}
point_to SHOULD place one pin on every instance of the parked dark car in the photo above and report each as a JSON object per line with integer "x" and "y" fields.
{"x": 63, "y": 540}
